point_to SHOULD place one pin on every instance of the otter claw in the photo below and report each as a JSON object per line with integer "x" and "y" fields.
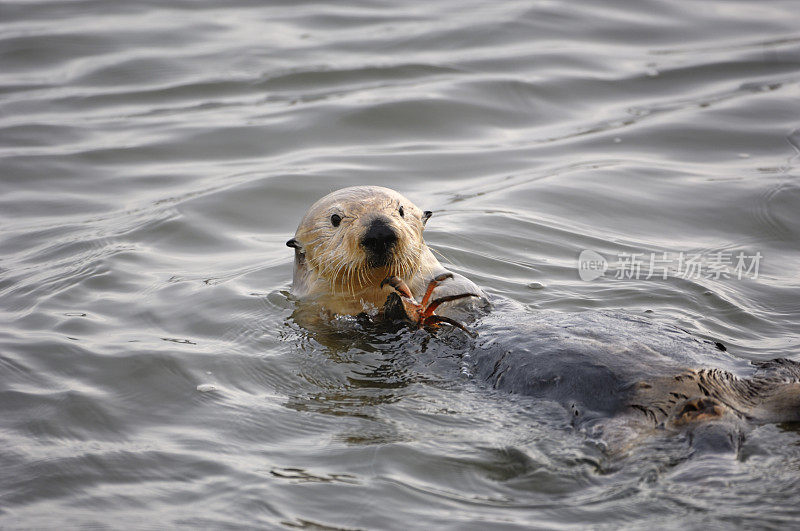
{"x": 422, "y": 313}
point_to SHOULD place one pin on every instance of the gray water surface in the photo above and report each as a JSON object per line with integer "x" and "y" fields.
{"x": 154, "y": 158}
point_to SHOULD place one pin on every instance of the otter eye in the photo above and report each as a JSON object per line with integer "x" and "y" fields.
{"x": 336, "y": 219}
{"x": 401, "y": 211}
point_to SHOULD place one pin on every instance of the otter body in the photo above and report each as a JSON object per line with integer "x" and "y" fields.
{"x": 614, "y": 371}
{"x": 639, "y": 373}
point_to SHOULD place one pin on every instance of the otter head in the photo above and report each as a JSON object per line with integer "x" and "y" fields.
{"x": 355, "y": 237}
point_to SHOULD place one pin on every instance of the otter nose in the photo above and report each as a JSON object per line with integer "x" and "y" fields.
{"x": 379, "y": 238}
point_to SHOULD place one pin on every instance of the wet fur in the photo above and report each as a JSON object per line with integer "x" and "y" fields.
{"x": 331, "y": 268}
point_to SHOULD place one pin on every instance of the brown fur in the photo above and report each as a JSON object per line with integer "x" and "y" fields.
{"x": 704, "y": 394}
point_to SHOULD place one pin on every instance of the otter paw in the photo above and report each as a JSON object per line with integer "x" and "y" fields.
{"x": 698, "y": 410}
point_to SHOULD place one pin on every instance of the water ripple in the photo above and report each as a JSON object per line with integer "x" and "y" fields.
{"x": 155, "y": 159}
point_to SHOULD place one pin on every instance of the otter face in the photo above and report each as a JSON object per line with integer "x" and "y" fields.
{"x": 353, "y": 238}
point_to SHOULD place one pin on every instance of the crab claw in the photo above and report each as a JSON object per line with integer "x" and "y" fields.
{"x": 398, "y": 284}
{"x": 421, "y": 314}
{"x": 433, "y": 321}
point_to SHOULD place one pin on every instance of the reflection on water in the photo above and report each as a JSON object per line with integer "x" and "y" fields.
{"x": 155, "y": 158}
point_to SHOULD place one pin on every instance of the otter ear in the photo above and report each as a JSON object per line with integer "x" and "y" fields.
{"x": 293, "y": 243}
{"x": 426, "y": 216}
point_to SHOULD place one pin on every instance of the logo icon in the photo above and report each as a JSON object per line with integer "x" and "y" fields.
{"x": 591, "y": 265}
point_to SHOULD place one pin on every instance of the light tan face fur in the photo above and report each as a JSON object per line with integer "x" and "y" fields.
{"x": 333, "y": 255}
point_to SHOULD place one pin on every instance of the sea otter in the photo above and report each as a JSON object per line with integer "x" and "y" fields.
{"x": 360, "y": 250}
{"x": 352, "y": 239}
